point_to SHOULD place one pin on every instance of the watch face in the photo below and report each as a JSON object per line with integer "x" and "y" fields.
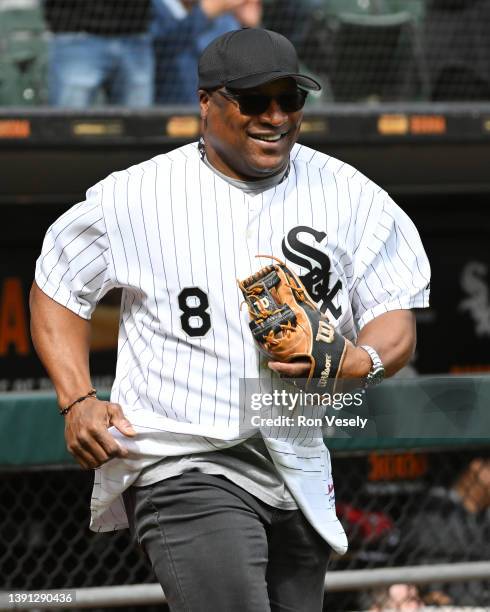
{"x": 376, "y": 376}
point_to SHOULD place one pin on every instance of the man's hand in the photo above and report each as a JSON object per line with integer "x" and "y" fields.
{"x": 249, "y": 14}
{"x": 393, "y": 336}
{"x": 61, "y": 339}
{"x": 86, "y": 433}
{"x": 214, "y": 8}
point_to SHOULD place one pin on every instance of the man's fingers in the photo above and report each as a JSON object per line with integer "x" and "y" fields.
{"x": 297, "y": 369}
{"x": 84, "y": 457}
{"x": 117, "y": 418}
{"x": 93, "y": 448}
{"x": 87, "y": 436}
{"x": 109, "y": 445}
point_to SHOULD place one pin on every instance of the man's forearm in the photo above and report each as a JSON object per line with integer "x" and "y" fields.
{"x": 393, "y": 336}
{"x": 61, "y": 339}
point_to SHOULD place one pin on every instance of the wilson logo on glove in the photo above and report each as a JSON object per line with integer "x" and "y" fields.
{"x": 326, "y": 332}
{"x": 287, "y": 325}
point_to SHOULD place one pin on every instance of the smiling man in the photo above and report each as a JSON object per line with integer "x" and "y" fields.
{"x": 229, "y": 521}
{"x": 251, "y": 99}
{"x": 239, "y": 142}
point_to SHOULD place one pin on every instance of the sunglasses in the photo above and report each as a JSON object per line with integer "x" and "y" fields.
{"x": 256, "y": 104}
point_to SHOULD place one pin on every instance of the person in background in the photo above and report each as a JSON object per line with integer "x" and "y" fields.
{"x": 100, "y": 49}
{"x": 293, "y": 20}
{"x": 455, "y": 528}
{"x": 182, "y": 30}
{"x": 457, "y": 50}
{"x": 397, "y": 597}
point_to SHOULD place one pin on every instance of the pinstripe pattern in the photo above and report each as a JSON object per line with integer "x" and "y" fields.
{"x": 172, "y": 223}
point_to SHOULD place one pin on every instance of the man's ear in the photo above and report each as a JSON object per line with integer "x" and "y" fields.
{"x": 204, "y": 99}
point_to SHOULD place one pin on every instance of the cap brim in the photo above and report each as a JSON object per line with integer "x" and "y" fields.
{"x": 255, "y": 80}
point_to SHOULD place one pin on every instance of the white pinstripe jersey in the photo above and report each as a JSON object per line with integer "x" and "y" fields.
{"x": 175, "y": 236}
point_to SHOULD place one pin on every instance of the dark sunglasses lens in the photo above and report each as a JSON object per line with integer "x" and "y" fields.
{"x": 290, "y": 103}
{"x": 256, "y": 104}
{"x": 251, "y": 104}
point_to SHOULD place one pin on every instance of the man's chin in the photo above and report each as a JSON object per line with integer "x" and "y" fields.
{"x": 259, "y": 171}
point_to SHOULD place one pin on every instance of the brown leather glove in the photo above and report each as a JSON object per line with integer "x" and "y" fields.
{"x": 287, "y": 326}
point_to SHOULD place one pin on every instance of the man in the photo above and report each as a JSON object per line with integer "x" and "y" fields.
{"x": 228, "y": 523}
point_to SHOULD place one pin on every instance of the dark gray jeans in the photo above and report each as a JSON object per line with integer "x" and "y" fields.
{"x": 216, "y": 548}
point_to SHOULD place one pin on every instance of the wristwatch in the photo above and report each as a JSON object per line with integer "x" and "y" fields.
{"x": 377, "y": 372}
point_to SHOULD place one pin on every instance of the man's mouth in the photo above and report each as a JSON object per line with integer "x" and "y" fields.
{"x": 269, "y": 137}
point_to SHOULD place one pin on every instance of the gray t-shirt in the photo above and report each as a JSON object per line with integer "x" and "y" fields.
{"x": 251, "y": 187}
{"x": 248, "y": 464}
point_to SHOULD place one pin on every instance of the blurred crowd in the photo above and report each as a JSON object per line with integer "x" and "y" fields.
{"x": 137, "y": 53}
{"x": 454, "y": 528}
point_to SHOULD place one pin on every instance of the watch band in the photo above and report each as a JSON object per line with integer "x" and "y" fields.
{"x": 377, "y": 372}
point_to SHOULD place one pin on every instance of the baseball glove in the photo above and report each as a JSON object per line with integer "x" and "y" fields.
{"x": 287, "y": 326}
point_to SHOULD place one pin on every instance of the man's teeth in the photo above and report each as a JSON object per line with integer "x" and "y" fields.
{"x": 273, "y": 138}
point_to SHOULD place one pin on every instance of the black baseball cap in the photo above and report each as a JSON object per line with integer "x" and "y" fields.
{"x": 250, "y": 57}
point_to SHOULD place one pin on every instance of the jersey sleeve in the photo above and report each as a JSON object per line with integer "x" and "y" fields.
{"x": 75, "y": 266}
{"x": 392, "y": 268}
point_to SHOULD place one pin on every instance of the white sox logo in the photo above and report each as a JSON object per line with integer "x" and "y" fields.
{"x": 475, "y": 285}
{"x": 317, "y": 279}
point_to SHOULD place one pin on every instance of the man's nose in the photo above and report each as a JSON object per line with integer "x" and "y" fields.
{"x": 274, "y": 114}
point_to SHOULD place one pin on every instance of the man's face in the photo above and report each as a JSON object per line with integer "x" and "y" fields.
{"x": 249, "y": 146}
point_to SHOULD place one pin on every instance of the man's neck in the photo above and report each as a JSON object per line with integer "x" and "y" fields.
{"x": 251, "y": 187}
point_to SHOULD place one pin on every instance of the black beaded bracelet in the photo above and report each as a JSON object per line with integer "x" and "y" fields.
{"x": 66, "y": 410}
